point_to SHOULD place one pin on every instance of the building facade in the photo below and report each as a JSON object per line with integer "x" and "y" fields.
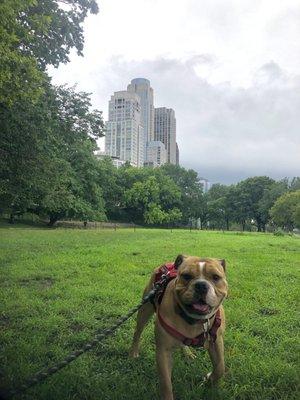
{"x": 124, "y": 139}
{"x": 156, "y": 154}
{"x": 177, "y": 154}
{"x": 141, "y": 86}
{"x": 206, "y": 185}
{"x": 165, "y": 131}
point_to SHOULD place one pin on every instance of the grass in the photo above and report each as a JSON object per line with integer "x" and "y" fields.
{"x": 59, "y": 286}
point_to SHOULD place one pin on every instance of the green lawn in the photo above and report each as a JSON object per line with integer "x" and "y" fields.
{"x": 59, "y": 286}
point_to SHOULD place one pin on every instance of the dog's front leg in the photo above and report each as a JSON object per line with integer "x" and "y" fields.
{"x": 164, "y": 364}
{"x": 216, "y": 352}
{"x": 164, "y": 368}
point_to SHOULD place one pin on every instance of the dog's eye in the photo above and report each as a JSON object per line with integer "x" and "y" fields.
{"x": 187, "y": 277}
{"x": 216, "y": 278}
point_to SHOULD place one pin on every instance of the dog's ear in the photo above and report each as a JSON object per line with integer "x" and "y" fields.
{"x": 179, "y": 260}
{"x": 223, "y": 264}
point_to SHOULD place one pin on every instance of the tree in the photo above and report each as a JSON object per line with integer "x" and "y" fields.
{"x": 48, "y": 165}
{"x": 286, "y": 210}
{"x": 269, "y": 197}
{"x": 248, "y": 196}
{"x": 146, "y": 201}
{"x": 34, "y": 34}
{"x": 219, "y": 208}
{"x": 190, "y": 187}
{"x": 295, "y": 184}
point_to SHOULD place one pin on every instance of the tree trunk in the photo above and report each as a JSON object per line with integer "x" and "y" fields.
{"x": 52, "y": 221}
{"x": 12, "y": 218}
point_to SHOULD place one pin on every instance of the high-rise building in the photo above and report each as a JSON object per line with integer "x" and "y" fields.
{"x": 141, "y": 86}
{"x": 124, "y": 130}
{"x": 156, "y": 154}
{"x": 206, "y": 185}
{"x": 165, "y": 131}
{"x": 177, "y": 154}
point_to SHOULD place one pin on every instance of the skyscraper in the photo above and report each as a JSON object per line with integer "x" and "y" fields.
{"x": 141, "y": 86}
{"x": 165, "y": 131}
{"x": 156, "y": 154}
{"x": 124, "y": 130}
{"x": 177, "y": 154}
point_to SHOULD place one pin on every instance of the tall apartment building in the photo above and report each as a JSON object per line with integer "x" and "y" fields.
{"x": 124, "y": 129}
{"x": 206, "y": 185}
{"x": 177, "y": 154}
{"x": 156, "y": 154}
{"x": 165, "y": 131}
{"x": 141, "y": 86}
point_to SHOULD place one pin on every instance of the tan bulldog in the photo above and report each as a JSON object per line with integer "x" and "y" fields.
{"x": 190, "y": 312}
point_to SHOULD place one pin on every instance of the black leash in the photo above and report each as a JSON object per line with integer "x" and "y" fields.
{"x": 44, "y": 374}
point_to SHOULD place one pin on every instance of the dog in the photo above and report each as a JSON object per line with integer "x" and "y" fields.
{"x": 188, "y": 312}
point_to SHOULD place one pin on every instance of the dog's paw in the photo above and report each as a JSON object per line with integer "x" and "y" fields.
{"x": 189, "y": 353}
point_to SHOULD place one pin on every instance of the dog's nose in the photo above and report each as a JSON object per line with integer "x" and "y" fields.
{"x": 201, "y": 287}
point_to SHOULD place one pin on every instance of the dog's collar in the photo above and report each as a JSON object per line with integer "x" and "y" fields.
{"x": 199, "y": 340}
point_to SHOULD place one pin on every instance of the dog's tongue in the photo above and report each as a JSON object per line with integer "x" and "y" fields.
{"x": 201, "y": 308}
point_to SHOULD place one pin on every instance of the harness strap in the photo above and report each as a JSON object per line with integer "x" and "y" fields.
{"x": 198, "y": 341}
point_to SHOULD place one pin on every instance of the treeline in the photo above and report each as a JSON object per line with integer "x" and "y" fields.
{"x": 48, "y": 136}
{"x": 172, "y": 195}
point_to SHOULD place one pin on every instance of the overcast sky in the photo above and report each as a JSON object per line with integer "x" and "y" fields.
{"x": 229, "y": 69}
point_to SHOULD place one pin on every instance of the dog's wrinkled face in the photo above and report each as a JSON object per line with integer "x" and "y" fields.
{"x": 201, "y": 285}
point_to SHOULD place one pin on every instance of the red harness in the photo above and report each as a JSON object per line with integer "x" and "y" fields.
{"x": 170, "y": 270}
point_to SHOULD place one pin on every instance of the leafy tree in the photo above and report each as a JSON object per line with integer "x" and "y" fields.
{"x": 190, "y": 188}
{"x": 113, "y": 192}
{"x": 248, "y": 196}
{"x": 286, "y": 210}
{"x": 269, "y": 197}
{"x": 146, "y": 200}
{"x": 295, "y": 184}
{"x": 220, "y": 207}
{"x": 48, "y": 159}
{"x": 34, "y": 34}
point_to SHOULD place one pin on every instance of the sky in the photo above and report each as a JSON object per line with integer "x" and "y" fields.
{"x": 229, "y": 68}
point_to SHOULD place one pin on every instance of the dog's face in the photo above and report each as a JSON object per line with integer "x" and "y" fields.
{"x": 201, "y": 285}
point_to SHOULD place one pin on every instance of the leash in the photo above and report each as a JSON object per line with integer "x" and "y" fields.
{"x": 44, "y": 374}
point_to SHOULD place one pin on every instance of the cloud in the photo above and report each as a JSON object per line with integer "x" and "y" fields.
{"x": 228, "y": 69}
{"x": 225, "y": 133}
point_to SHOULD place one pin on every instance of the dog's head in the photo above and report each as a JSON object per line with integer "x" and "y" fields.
{"x": 201, "y": 285}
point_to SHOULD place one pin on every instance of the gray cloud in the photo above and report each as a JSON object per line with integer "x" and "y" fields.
{"x": 224, "y": 132}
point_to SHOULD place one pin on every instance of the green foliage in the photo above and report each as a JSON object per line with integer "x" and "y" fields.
{"x": 190, "y": 187}
{"x": 47, "y": 162}
{"x": 153, "y": 199}
{"x": 286, "y": 210}
{"x": 34, "y": 34}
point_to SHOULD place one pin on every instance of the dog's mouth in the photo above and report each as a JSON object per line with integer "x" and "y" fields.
{"x": 199, "y": 307}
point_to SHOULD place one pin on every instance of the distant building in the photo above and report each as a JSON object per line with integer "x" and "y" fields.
{"x": 177, "y": 154}
{"x": 124, "y": 139}
{"x": 165, "y": 131}
{"x": 135, "y": 128}
{"x": 115, "y": 160}
{"x": 205, "y": 183}
{"x": 156, "y": 154}
{"x": 141, "y": 86}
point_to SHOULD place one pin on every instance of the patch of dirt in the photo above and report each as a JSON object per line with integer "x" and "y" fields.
{"x": 43, "y": 282}
{"x": 268, "y": 311}
{"x": 76, "y": 326}
{"x": 4, "y": 321}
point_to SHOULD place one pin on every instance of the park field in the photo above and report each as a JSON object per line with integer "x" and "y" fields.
{"x": 57, "y": 287}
